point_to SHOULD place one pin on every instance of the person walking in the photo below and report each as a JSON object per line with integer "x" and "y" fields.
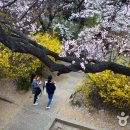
{"x": 50, "y": 87}
{"x": 35, "y": 88}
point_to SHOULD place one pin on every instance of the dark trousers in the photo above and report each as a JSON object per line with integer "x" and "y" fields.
{"x": 37, "y": 92}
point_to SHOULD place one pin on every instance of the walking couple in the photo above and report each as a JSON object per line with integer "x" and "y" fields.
{"x": 49, "y": 85}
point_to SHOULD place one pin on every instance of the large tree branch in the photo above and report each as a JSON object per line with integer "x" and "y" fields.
{"x": 23, "y": 44}
{"x": 98, "y": 67}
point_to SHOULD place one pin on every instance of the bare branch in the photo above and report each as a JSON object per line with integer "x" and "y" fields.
{"x": 25, "y": 13}
{"x": 9, "y": 4}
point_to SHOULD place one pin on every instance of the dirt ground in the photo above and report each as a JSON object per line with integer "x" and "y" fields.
{"x": 9, "y": 92}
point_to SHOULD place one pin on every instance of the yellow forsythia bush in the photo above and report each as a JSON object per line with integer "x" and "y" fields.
{"x": 49, "y": 41}
{"x": 17, "y": 65}
{"x": 114, "y": 89}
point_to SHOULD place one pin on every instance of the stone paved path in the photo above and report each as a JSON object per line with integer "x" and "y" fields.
{"x": 36, "y": 117}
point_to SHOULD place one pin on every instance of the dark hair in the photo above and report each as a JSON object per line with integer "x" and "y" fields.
{"x": 49, "y": 78}
{"x": 33, "y": 76}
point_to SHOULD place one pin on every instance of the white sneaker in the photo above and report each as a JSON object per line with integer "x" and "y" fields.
{"x": 47, "y": 108}
{"x": 35, "y": 104}
{"x": 37, "y": 99}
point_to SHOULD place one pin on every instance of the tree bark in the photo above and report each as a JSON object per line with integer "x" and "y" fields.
{"x": 18, "y": 42}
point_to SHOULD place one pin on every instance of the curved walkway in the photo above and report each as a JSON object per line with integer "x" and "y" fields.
{"x": 29, "y": 117}
{"x": 36, "y": 117}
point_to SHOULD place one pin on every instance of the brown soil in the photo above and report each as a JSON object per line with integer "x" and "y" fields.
{"x": 11, "y": 101}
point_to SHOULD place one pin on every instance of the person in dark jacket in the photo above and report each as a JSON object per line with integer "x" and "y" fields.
{"x": 35, "y": 87}
{"x": 50, "y": 89}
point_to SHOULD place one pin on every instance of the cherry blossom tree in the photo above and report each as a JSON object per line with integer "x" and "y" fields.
{"x": 95, "y": 49}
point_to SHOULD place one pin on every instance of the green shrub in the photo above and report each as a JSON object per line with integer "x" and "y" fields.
{"x": 91, "y": 21}
{"x": 24, "y": 84}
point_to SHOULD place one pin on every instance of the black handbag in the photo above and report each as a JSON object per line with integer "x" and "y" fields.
{"x": 38, "y": 90}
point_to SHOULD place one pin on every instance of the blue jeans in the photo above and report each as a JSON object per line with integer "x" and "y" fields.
{"x": 50, "y": 97}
